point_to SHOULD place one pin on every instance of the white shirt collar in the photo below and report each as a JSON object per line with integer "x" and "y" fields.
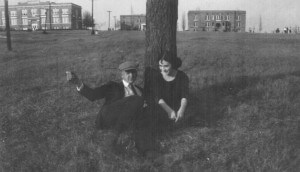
{"x": 125, "y": 83}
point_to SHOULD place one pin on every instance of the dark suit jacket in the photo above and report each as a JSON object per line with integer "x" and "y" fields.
{"x": 110, "y": 91}
{"x": 114, "y": 104}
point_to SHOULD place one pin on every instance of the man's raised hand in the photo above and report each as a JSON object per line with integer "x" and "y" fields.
{"x": 73, "y": 79}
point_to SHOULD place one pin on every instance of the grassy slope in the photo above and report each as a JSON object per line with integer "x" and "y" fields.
{"x": 245, "y": 99}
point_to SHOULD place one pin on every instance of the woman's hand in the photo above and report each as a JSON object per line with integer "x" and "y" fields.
{"x": 172, "y": 115}
{"x": 180, "y": 115}
{"x": 180, "y": 112}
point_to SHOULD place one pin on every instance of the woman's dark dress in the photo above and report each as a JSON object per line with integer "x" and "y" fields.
{"x": 173, "y": 91}
{"x": 155, "y": 120}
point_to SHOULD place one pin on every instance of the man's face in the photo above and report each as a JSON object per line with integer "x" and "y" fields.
{"x": 129, "y": 75}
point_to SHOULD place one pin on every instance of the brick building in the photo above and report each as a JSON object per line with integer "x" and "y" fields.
{"x": 34, "y": 15}
{"x": 217, "y": 20}
{"x": 133, "y": 22}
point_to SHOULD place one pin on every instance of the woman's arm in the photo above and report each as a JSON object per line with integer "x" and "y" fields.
{"x": 171, "y": 113}
{"x": 181, "y": 111}
{"x": 184, "y": 84}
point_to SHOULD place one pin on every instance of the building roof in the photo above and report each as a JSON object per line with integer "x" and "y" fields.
{"x": 216, "y": 11}
{"x": 29, "y": 3}
{"x": 134, "y": 15}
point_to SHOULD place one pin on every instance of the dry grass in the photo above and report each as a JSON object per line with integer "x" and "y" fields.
{"x": 245, "y": 103}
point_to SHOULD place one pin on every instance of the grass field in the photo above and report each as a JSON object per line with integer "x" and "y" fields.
{"x": 245, "y": 103}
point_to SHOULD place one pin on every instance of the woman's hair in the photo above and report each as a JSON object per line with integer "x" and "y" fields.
{"x": 172, "y": 59}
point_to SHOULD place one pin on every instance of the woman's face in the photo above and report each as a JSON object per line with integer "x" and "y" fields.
{"x": 165, "y": 67}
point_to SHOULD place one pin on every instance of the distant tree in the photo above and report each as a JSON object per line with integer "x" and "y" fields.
{"x": 87, "y": 20}
{"x": 118, "y": 24}
{"x": 296, "y": 29}
{"x": 183, "y": 22}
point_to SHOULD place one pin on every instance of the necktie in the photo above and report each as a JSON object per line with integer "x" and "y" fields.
{"x": 131, "y": 87}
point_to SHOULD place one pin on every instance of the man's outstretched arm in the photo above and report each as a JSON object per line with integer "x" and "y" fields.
{"x": 90, "y": 93}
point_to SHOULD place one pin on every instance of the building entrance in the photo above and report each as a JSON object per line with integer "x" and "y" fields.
{"x": 34, "y": 26}
{"x": 218, "y": 26}
{"x": 227, "y": 26}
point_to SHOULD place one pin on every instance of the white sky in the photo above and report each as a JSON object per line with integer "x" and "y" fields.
{"x": 275, "y": 13}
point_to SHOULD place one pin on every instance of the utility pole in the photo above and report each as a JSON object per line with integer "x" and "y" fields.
{"x": 8, "y": 40}
{"x": 115, "y": 22}
{"x": 260, "y": 24}
{"x": 50, "y": 15}
{"x": 93, "y": 32}
{"x": 109, "y": 19}
{"x": 45, "y": 22}
{"x": 131, "y": 12}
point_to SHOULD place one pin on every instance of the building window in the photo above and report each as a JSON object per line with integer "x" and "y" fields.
{"x": 13, "y": 21}
{"x": 25, "y": 21}
{"x": 56, "y": 20}
{"x": 195, "y": 24}
{"x": 76, "y": 13}
{"x": 238, "y": 24}
{"x": 238, "y": 18}
{"x": 65, "y": 20}
{"x": 43, "y": 12}
{"x": 33, "y": 12}
{"x": 55, "y": 12}
{"x": 65, "y": 11}
{"x": 212, "y": 17}
{"x": 207, "y": 24}
{"x": 218, "y": 18}
{"x": 24, "y": 12}
{"x": 227, "y": 17}
{"x": 207, "y": 18}
{"x": 13, "y": 13}
{"x": 196, "y": 18}
{"x": 43, "y": 20}
{"x": 3, "y": 22}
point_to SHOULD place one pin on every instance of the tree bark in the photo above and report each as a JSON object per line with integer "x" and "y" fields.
{"x": 161, "y": 27}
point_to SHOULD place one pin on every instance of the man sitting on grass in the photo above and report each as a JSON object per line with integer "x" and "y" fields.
{"x": 123, "y": 100}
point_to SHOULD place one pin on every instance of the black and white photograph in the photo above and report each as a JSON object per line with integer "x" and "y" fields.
{"x": 149, "y": 85}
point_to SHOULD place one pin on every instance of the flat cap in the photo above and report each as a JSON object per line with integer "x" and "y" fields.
{"x": 128, "y": 65}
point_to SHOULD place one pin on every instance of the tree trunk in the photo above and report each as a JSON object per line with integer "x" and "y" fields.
{"x": 161, "y": 27}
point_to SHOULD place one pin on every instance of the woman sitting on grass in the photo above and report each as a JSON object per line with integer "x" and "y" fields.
{"x": 169, "y": 89}
{"x": 166, "y": 94}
